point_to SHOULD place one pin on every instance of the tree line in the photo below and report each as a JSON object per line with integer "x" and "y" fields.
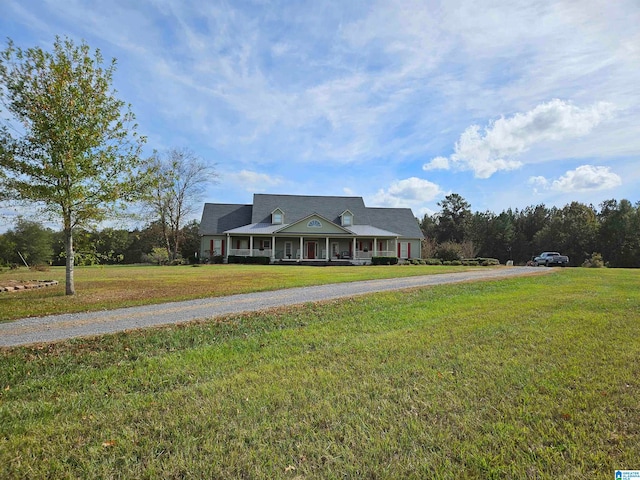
{"x": 609, "y": 233}
{"x": 30, "y": 243}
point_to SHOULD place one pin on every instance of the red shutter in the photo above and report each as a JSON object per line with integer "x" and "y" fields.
{"x": 408, "y": 249}
{"x": 398, "y": 249}
{"x": 238, "y": 244}
{"x": 211, "y": 248}
{"x": 222, "y": 253}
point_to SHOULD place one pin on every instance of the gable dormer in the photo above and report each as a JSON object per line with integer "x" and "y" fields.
{"x": 346, "y": 218}
{"x": 277, "y": 217}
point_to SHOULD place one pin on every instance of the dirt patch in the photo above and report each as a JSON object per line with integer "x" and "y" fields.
{"x": 19, "y": 285}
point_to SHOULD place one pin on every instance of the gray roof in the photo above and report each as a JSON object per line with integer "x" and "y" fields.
{"x": 297, "y": 207}
{"x": 218, "y": 218}
{"x": 257, "y": 229}
{"x": 369, "y": 231}
{"x": 401, "y": 220}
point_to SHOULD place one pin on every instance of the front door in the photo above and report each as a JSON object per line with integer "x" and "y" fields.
{"x": 311, "y": 250}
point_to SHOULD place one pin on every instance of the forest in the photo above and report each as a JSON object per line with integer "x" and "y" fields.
{"x": 605, "y": 236}
{"x": 36, "y": 245}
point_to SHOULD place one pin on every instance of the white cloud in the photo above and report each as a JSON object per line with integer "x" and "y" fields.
{"x": 499, "y": 145}
{"x": 254, "y": 181}
{"x": 585, "y": 178}
{"x": 438, "y": 163}
{"x": 411, "y": 193}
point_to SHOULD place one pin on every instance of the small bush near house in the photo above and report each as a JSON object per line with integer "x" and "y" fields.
{"x": 249, "y": 260}
{"x": 432, "y": 261}
{"x": 384, "y": 260}
{"x": 449, "y": 251}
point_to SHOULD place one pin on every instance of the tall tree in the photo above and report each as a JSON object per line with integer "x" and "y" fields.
{"x": 453, "y": 218}
{"x": 73, "y": 148}
{"x": 179, "y": 178}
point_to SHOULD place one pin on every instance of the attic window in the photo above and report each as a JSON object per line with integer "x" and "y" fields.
{"x": 347, "y": 219}
{"x": 277, "y": 217}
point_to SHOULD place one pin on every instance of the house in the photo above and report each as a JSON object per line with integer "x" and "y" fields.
{"x": 290, "y": 228}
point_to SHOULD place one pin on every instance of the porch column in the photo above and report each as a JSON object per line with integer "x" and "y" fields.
{"x": 226, "y": 250}
{"x": 326, "y": 250}
{"x": 396, "y": 248}
{"x": 273, "y": 248}
{"x": 354, "y": 247}
{"x": 301, "y": 248}
{"x": 251, "y": 245}
{"x": 375, "y": 247}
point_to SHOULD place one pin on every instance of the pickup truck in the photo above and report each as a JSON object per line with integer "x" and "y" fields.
{"x": 551, "y": 258}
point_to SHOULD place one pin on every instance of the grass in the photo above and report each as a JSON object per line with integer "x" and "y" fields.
{"x": 107, "y": 287}
{"x": 532, "y": 377}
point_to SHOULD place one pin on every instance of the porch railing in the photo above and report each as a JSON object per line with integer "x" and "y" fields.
{"x": 295, "y": 254}
{"x": 246, "y": 252}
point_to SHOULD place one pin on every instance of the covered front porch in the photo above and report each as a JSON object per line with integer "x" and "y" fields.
{"x": 312, "y": 248}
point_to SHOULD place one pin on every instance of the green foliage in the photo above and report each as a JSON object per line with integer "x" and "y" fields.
{"x": 384, "y": 260}
{"x": 449, "y": 251}
{"x": 595, "y": 261}
{"x": 77, "y": 151}
{"x": 432, "y": 261}
{"x": 158, "y": 256}
{"x": 249, "y": 260}
{"x": 31, "y": 239}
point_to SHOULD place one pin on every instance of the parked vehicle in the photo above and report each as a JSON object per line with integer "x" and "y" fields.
{"x": 549, "y": 259}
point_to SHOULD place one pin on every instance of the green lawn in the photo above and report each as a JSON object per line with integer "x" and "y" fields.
{"x": 532, "y": 377}
{"x": 107, "y": 287}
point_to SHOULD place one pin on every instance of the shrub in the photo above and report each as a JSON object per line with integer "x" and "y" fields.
{"x": 433, "y": 261}
{"x": 217, "y": 259}
{"x": 449, "y": 251}
{"x": 595, "y": 261}
{"x": 384, "y": 260}
{"x": 484, "y": 262}
{"x": 249, "y": 260}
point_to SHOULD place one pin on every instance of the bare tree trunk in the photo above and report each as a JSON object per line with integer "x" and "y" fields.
{"x": 68, "y": 247}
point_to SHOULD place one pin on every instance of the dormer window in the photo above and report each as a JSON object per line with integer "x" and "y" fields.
{"x": 277, "y": 217}
{"x": 347, "y": 218}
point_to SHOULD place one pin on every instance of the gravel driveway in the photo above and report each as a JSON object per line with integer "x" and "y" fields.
{"x": 60, "y": 327}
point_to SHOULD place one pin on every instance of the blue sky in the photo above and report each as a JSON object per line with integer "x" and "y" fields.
{"x": 507, "y": 103}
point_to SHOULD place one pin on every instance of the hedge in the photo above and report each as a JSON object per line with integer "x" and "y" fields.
{"x": 384, "y": 260}
{"x": 249, "y": 260}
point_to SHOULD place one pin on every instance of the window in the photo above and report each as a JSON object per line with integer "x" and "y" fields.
{"x": 347, "y": 218}
{"x": 314, "y": 223}
{"x": 266, "y": 243}
{"x": 277, "y": 218}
